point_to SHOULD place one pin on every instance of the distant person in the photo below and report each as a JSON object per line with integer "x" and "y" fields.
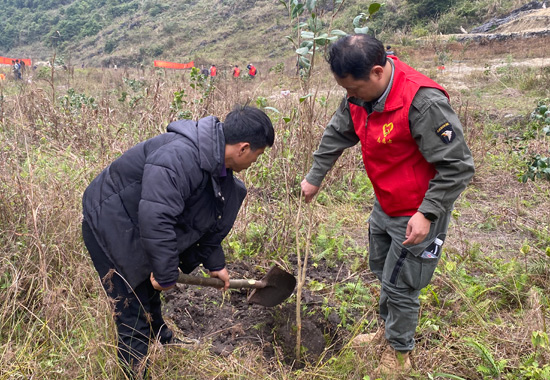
{"x": 389, "y": 50}
{"x": 166, "y": 203}
{"x": 2, "y": 76}
{"x": 251, "y": 70}
{"x": 16, "y": 69}
{"x": 22, "y": 67}
{"x": 236, "y": 71}
{"x": 204, "y": 72}
{"x": 418, "y": 162}
{"x": 213, "y": 71}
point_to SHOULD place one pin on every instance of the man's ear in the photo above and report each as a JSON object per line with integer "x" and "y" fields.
{"x": 243, "y": 146}
{"x": 377, "y": 72}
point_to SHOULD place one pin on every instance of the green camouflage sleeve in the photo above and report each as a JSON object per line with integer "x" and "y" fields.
{"x": 339, "y": 135}
{"x": 440, "y": 138}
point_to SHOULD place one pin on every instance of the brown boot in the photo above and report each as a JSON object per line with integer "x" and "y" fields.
{"x": 393, "y": 364}
{"x": 369, "y": 339}
{"x": 362, "y": 341}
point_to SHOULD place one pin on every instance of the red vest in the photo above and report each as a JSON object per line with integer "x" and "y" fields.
{"x": 400, "y": 175}
{"x": 252, "y": 71}
{"x": 236, "y": 72}
{"x": 213, "y": 71}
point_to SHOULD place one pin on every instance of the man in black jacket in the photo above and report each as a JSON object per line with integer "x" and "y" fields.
{"x": 168, "y": 202}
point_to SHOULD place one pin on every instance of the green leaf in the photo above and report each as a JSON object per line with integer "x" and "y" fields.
{"x": 357, "y": 19}
{"x": 307, "y": 44}
{"x": 321, "y": 42}
{"x": 302, "y": 51}
{"x": 272, "y": 109}
{"x": 286, "y": 119}
{"x": 321, "y": 37}
{"x": 338, "y": 32}
{"x": 314, "y": 24}
{"x": 302, "y": 24}
{"x": 304, "y": 62}
{"x": 284, "y": 3}
{"x": 310, "y": 5}
{"x": 448, "y": 376}
{"x": 361, "y": 30}
{"x": 374, "y": 7}
{"x": 303, "y": 98}
{"x": 306, "y": 34}
{"x": 297, "y": 10}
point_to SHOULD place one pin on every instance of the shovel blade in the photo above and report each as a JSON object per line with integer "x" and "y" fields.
{"x": 279, "y": 285}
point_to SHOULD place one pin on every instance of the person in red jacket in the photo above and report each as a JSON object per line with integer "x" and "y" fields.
{"x": 236, "y": 71}
{"x": 416, "y": 157}
{"x": 251, "y": 70}
{"x": 213, "y": 71}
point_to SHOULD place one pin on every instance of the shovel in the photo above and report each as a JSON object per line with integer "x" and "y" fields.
{"x": 274, "y": 288}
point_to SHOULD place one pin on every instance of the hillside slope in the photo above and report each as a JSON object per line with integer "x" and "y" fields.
{"x": 133, "y": 32}
{"x": 103, "y": 32}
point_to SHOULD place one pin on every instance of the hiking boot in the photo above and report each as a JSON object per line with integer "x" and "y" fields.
{"x": 375, "y": 338}
{"x": 393, "y": 364}
{"x": 363, "y": 341}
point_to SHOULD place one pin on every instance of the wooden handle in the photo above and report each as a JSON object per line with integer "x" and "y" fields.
{"x": 217, "y": 283}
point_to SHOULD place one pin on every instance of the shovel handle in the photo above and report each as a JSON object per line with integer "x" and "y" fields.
{"x": 217, "y": 283}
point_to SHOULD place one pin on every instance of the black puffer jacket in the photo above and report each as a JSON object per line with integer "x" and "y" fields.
{"x": 163, "y": 203}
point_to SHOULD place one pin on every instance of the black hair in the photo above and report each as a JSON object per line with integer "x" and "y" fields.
{"x": 356, "y": 55}
{"x": 248, "y": 124}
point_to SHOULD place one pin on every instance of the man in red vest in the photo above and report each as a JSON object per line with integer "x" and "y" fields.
{"x": 236, "y": 71}
{"x": 251, "y": 70}
{"x": 418, "y": 162}
{"x": 213, "y": 71}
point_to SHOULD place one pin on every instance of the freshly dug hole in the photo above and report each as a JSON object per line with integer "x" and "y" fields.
{"x": 229, "y": 322}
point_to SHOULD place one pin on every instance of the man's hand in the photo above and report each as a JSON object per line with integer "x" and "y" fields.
{"x": 417, "y": 229}
{"x": 156, "y": 284}
{"x": 309, "y": 190}
{"x": 223, "y": 275}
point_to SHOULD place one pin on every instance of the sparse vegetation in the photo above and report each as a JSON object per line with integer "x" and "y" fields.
{"x": 224, "y": 31}
{"x": 484, "y": 316}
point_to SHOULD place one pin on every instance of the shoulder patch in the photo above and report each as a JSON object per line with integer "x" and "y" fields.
{"x": 446, "y": 133}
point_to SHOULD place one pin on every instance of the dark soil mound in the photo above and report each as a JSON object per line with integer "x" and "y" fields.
{"x": 229, "y": 321}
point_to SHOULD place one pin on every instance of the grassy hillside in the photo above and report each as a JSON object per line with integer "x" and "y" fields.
{"x": 484, "y": 316}
{"x": 130, "y": 32}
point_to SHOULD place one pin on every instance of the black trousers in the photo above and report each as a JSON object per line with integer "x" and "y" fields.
{"x": 137, "y": 314}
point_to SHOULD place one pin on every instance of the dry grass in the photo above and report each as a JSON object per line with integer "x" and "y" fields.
{"x": 54, "y": 318}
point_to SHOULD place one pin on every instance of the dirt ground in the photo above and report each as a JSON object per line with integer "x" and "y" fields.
{"x": 229, "y": 321}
